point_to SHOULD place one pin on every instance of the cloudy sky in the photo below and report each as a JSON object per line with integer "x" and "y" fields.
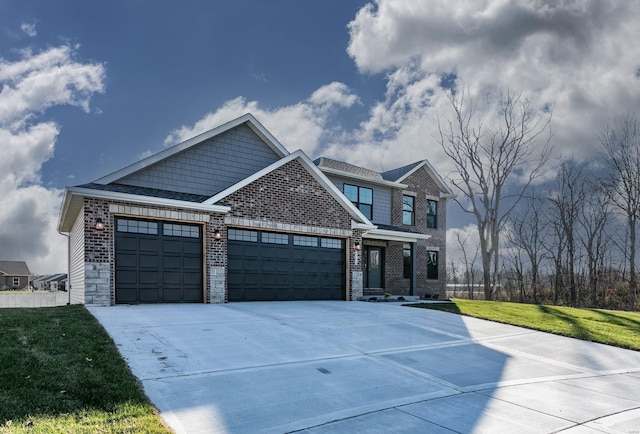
{"x": 89, "y": 87}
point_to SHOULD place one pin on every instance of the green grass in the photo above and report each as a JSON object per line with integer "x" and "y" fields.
{"x": 61, "y": 373}
{"x": 611, "y": 327}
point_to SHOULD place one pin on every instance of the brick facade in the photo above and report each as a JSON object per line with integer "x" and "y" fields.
{"x": 288, "y": 198}
{"x": 291, "y": 195}
{"x": 422, "y": 187}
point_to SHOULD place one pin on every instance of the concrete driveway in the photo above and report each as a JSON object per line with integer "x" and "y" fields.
{"x": 348, "y": 367}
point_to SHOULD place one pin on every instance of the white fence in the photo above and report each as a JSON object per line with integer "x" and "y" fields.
{"x": 33, "y": 299}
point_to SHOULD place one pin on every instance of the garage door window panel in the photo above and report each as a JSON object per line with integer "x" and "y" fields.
{"x": 242, "y": 235}
{"x": 137, "y": 226}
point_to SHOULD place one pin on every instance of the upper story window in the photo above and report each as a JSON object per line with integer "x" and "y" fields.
{"x": 432, "y": 214}
{"x": 362, "y": 198}
{"x": 408, "y": 213}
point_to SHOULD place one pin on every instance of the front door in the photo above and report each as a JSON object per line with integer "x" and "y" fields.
{"x": 374, "y": 267}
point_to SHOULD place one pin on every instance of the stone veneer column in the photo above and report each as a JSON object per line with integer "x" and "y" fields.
{"x": 217, "y": 284}
{"x": 357, "y": 275}
{"x": 97, "y": 284}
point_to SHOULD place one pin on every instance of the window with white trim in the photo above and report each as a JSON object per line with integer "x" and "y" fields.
{"x": 16, "y": 281}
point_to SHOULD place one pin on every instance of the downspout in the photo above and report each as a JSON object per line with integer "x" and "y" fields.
{"x": 68, "y": 266}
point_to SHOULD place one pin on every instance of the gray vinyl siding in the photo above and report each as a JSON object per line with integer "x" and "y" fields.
{"x": 381, "y": 197}
{"x": 209, "y": 167}
{"x": 76, "y": 260}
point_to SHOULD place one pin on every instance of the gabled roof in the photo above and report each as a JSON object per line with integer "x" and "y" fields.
{"x": 340, "y": 168}
{"x": 328, "y": 163}
{"x": 14, "y": 268}
{"x": 402, "y": 173}
{"x": 247, "y": 119}
{"x": 395, "y": 174}
{"x": 306, "y": 162}
{"x": 393, "y": 177}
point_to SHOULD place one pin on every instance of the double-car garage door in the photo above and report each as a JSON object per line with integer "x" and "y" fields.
{"x": 279, "y": 266}
{"x": 162, "y": 262}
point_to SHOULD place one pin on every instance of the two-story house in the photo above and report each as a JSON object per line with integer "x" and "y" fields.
{"x": 14, "y": 275}
{"x": 231, "y": 215}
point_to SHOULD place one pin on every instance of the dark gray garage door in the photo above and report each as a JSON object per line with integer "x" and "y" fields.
{"x": 158, "y": 262}
{"x": 274, "y": 266}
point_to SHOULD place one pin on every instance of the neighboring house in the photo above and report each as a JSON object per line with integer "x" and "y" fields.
{"x": 14, "y": 275}
{"x": 231, "y": 215}
{"x": 50, "y": 282}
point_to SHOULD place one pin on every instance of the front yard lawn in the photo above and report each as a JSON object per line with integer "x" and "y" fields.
{"x": 611, "y": 327}
{"x": 60, "y": 372}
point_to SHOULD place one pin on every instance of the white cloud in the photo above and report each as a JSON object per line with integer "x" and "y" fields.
{"x": 577, "y": 57}
{"x": 28, "y": 210}
{"x": 37, "y": 82}
{"x": 29, "y": 29}
{"x": 304, "y": 125}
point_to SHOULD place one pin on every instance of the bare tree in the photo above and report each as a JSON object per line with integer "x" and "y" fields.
{"x": 527, "y": 234}
{"x": 620, "y": 142}
{"x": 593, "y": 219}
{"x": 494, "y": 165}
{"x": 469, "y": 264}
{"x": 568, "y": 201}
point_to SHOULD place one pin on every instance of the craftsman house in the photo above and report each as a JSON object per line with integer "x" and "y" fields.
{"x": 231, "y": 215}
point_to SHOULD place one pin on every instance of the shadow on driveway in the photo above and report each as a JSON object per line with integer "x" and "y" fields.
{"x": 377, "y": 367}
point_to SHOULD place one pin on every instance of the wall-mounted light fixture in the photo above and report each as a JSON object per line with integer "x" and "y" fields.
{"x": 99, "y": 224}
{"x": 356, "y": 246}
{"x": 217, "y": 235}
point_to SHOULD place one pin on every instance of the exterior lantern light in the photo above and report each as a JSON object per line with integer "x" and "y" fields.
{"x": 217, "y": 235}
{"x": 99, "y": 224}
{"x": 356, "y": 246}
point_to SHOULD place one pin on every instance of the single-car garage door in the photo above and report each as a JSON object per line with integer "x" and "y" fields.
{"x": 276, "y": 266}
{"x": 158, "y": 262}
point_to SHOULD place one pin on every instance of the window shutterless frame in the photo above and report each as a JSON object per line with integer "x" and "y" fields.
{"x": 362, "y": 198}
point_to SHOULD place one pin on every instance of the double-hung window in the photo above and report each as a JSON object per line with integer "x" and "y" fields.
{"x": 16, "y": 282}
{"x": 408, "y": 213}
{"x": 362, "y": 198}
{"x": 432, "y": 214}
